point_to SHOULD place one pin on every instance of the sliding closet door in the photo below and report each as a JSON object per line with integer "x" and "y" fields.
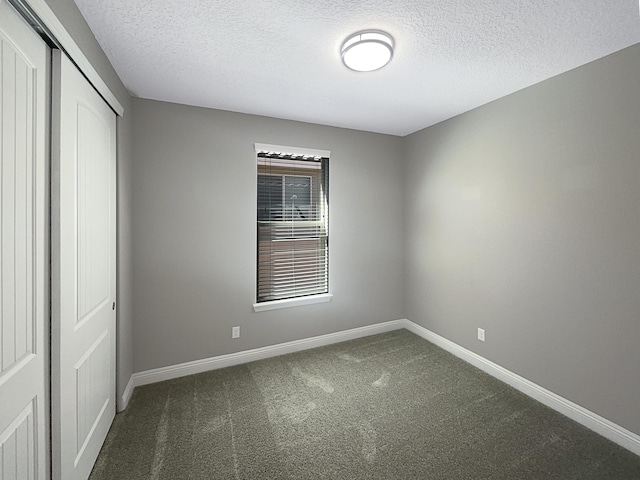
{"x": 83, "y": 271}
{"x": 24, "y": 64}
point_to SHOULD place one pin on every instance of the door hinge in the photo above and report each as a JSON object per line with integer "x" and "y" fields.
{"x": 113, "y": 307}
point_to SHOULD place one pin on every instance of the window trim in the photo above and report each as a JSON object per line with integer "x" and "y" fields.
{"x": 307, "y": 299}
{"x": 292, "y": 302}
{"x": 310, "y": 152}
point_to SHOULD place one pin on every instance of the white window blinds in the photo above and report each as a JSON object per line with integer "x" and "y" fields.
{"x": 292, "y": 216}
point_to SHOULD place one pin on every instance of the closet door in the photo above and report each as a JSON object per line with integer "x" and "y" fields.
{"x": 83, "y": 271}
{"x": 24, "y": 65}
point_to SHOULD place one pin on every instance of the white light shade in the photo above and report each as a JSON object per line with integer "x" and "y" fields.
{"x": 367, "y": 50}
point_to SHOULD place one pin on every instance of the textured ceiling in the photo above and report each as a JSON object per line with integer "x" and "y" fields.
{"x": 281, "y": 58}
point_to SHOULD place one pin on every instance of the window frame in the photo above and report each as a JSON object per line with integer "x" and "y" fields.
{"x": 266, "y": 305}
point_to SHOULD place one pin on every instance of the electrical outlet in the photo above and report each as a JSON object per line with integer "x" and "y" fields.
{"x": 235, "y": 332}
{"x": 481, "y": 334}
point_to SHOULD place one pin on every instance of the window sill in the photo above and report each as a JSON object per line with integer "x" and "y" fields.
{"x": 292, "y": 302}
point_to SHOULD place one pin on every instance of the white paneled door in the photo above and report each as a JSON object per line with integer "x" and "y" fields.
{"x": 83, "y": 271}
{"x": 24, "y": 67}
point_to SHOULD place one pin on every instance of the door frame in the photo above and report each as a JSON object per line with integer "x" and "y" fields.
{"x": 52, "y": 30}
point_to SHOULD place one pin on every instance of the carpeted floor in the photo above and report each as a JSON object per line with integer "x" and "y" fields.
{"x": 390, "y": 406}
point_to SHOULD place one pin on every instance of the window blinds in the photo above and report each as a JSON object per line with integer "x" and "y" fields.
{"x": 292, "y": 216}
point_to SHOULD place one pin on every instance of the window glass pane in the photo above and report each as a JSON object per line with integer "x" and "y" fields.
{"x": 269, "y": 197}
{"x": 297, "y": 197}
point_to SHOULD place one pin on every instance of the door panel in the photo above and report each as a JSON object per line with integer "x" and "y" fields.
{"x": 83, "y": 272}
{"x": 93, "y": 203}
{"x": 24, "y": 68}
{"x": 18, "y": 446}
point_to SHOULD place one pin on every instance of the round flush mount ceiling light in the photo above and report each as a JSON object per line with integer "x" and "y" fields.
{"x": 367, "y": 50}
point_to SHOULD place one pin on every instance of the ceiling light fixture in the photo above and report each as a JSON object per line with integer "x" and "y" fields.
{"x": 367, "y": 50}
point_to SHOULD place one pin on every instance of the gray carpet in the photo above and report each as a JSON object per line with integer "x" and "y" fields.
{"x": 389, "y": 406}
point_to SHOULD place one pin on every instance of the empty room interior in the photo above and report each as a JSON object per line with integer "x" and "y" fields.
{"x": 252, "y": 254}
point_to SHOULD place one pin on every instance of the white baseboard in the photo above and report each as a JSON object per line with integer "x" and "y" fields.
{"x": 126, "y": 395}
{"x": 592, "y": 421}
{"x": 222, "y": 361}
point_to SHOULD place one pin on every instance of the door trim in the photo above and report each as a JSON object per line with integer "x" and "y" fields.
{"x": 46, "y": 23}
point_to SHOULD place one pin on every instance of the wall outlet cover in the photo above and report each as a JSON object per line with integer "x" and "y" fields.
{"x": 481, "y": 334}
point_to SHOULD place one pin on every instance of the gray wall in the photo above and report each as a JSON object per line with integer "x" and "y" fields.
{"x": 68, "y": 13}
{"x": 195, "y": 232}
{"x": 523, "y": 218}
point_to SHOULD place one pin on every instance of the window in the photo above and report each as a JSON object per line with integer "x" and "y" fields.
{"x": 292, "y": 216}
